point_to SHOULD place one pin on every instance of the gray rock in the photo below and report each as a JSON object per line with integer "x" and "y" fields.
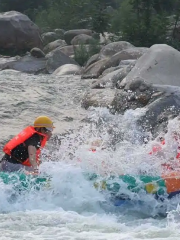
{"x": 131, "y": 62}
{"x": 164, "y": 107}
{"x": 109, "y": 70}
{"x": 159, "y": 65}
{"x": 67, "y": 69}
{"x": 111, "y": 79}
{"x": 27, "y": 64}
{"x": 69, "y": 35}
{"x": 130, "y": 53}
{"x": 138, "y": 83}
{"x": 53, "y": 45}
{"x": 92, "y": 60}
{"x": 113, "y": 48}
{"x": 93, "y": 70}
{"x": 82, "y": 39}
{"x": 4, "y": 60}
{"x": 49, "y": 37}
{"x": 98, "y": 98}
{"x": 57, "y": 58}
{"x": 36, "y": 52}
{"x": 130, "y": 100}
{"x": 18, "y": 32}
{"x": 68, "y": 50}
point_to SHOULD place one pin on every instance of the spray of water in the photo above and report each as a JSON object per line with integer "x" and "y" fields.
{"x": 106, "y": 145}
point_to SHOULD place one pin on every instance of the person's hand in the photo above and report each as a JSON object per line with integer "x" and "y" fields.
{"x": 36, "y": 171}
{"x": 33, "y": 173}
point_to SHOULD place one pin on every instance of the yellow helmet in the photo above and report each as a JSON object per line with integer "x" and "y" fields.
{"x": 43, "y": 121}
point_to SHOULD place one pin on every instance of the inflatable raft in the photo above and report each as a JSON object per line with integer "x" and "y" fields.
{"x": 165, "y": 186}
{"x": 23, "y": 182}
{"x": 121, "y": 187}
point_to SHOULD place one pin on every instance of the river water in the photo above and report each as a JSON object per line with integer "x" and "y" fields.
{"x": 72, "y": 208}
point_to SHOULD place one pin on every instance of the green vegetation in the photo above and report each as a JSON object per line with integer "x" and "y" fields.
{"x": 141, "y": 22}
{"x": 82, "y": 53}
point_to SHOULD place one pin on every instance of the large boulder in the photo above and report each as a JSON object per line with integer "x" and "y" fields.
{"x": 159, "y": 103}
{"x": 82, "y": 39}
{"x": 127, "y": 54}
{"x": 106, "y": 81}
{"x": 92, "y": 60}
{"x": 49, "y": 37}
{"x": 159, "y": 112}
{"x": 53, "y": 45}
{"x": 69, "y": 35}
{"x": 68, "y": 50}
{"x": 57, "y": 58}
{"x": 140, "y": 95}
{"x": 113, "y": 48}
{"x": 68, "y": 69}
{"x": 18, "y": 32}
{"x": 110, "y": 70}
{"x": 92, "y": 71}
{"x": 112, "y": 79}
{"x": 159, "y": 65}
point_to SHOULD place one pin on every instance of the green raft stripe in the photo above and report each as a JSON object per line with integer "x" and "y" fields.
{"x": 150, "y": 184}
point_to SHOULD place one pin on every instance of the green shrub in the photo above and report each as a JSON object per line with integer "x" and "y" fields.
{"x": 140, "y": 24}
{"x": 82, "y": 53}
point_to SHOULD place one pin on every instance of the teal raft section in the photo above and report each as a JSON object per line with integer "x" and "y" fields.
{"x": 21, "y": 181}
{"x": 149, "y": 184}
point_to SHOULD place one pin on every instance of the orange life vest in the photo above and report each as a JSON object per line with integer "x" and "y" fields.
{"x": 157, "y": 148}
{"x": 21, "y": 138}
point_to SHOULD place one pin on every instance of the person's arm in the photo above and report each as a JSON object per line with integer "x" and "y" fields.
{"x": 32, "y": 157}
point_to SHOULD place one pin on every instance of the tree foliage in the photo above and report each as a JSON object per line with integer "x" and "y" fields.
{"x": 141, "y": 22}
{"x": 138, "y": 22}
{"x": 24, "y": 6}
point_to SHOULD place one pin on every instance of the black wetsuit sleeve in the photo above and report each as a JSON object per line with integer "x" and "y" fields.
{"x": 33, "y": 141}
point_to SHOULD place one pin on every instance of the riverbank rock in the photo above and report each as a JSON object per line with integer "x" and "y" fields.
{"x": 67, "y": 69}
{"x": 159, "y": 65}
{"x": 112, "y": 79}
{"x": 5, "y": 61}
{"x": 113, "y": 48}
{"x": 127, "y": 54}
{"x": 69, "y": 35}
{"x": 92, "y": 60}
{"x": 98, "y": 98}
{"x": 68, "y": 50}
{"x": 159, "y": 112}
{"x": 36, "y": 52}
{"x": 82, "y": 39}
{"x": 92, "y": 71}
{"x": 27, "y": 64}
{"x": 56, "y": 59}
{"x": 18, "y": 32}
{"x": 49, "y": 37}
{"x": 53, "y": 45}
